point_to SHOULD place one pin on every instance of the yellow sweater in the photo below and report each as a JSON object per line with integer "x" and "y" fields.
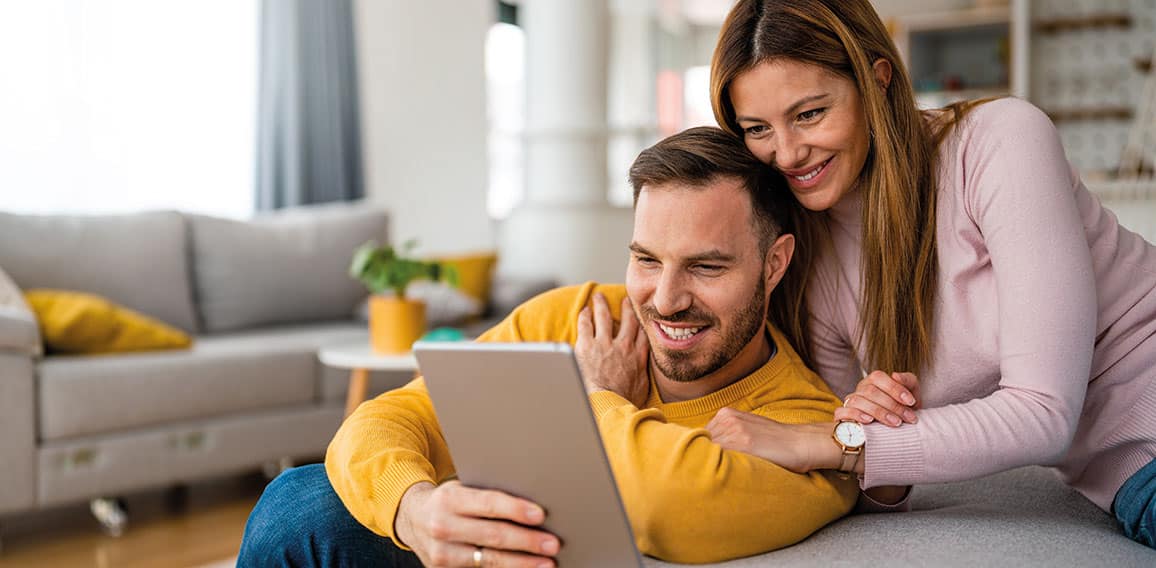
{"x": 688, "y": 500}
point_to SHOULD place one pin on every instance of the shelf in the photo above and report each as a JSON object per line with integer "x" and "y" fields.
{"x": 1057, "y": 25}
{"x": 954, "y": 20}
{"x": 1101, "y": 113}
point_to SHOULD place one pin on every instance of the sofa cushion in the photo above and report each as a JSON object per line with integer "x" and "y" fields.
{"x": 18, "y": 327}
{"x": 1023, "y": 517}
{"x": 138, "y": 260}
{"x": 221, "y": 374}
{"x": 285, "y": 267}
{"x": 76, "y": 322}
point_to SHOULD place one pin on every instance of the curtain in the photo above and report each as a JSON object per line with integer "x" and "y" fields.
{"x": 308, "y": 135}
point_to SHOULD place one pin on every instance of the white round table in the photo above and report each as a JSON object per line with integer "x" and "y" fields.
{"x": 360, "y": 359}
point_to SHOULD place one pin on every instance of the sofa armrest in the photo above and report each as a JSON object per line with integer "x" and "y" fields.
{"x": 19, "y": 332}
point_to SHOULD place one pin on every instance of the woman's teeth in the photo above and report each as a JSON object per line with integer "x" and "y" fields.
{"x": 679, "y": 332}
{"x": 811, "y": 174}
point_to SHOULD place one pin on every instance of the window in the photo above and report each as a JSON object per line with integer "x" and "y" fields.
{"x": 128, "y": 105}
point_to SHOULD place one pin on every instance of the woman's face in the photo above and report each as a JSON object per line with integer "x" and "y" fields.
{"x": 808, "y": 123}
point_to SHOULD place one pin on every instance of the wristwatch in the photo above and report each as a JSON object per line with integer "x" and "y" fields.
{"x": 850, "y": 438}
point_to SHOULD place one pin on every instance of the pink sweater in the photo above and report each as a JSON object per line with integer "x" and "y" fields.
{"x": 1045, "y": 323}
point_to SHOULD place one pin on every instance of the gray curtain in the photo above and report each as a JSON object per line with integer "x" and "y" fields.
{"x": 308, "y": 135}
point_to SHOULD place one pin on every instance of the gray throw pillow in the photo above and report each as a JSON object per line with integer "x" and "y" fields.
{"x": 285, "y": 267}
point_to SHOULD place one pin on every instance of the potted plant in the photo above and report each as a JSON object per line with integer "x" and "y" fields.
{"x": 395, "y": 321}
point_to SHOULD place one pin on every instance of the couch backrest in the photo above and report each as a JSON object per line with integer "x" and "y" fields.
{"x": 138, "y": 260}
{"x": 284, "y": 267}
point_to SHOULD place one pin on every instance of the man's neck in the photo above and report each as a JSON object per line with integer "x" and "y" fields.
{"x": 753, "y": 356}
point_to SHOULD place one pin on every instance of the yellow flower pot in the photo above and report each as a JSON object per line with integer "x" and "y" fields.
{"x": 395, "y": 324}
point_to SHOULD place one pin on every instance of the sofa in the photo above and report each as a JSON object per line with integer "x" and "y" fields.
{"x": 259, "y": 298}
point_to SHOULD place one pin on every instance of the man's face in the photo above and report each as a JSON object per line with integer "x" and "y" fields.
{"x": 696, "y": 276}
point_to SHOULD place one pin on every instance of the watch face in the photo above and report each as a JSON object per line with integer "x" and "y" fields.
{"x": 850, "y": 434}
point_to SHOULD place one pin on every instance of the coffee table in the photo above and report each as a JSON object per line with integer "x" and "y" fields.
{"x": 360, "y": 360}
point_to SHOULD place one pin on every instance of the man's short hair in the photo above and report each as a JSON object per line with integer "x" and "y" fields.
{"x": 699, "y": 156}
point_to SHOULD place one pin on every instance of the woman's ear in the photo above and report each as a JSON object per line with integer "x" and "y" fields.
{"x": 778, "y": 259}
{"x": 882, "y": 69}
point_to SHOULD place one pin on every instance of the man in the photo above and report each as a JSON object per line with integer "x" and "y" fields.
{"x": 685, "y": 338}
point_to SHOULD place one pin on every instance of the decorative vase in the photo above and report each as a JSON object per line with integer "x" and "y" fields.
{"x": 394, "y": 324}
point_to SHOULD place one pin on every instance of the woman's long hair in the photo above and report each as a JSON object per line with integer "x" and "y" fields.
{"x": 899, "y": 266}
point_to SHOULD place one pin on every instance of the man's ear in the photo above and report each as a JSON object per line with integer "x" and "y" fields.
{"x": 882, "y": 69}
{"x": 778, "y": 259}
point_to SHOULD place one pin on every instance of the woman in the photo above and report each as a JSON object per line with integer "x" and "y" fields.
{"x": 956, "y": 284}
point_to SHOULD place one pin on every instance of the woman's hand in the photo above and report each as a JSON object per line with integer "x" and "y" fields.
{"x": 887, "y": 398}
{"x": 797, "y": 447}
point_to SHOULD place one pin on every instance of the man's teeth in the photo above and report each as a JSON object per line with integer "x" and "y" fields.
{"x": 811, "y": 174}
{"x": 679, "y": 332}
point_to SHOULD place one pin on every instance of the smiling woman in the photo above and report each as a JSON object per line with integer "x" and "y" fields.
{"x": 123, "y": 105}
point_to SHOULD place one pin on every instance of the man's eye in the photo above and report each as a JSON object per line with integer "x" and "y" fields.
{"x": 812, "y": 114}
{"x": 646, "y": 261}
{"x": 708, "y": 268}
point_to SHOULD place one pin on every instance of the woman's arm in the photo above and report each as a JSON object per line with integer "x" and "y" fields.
{"x": 1019, "y": 192}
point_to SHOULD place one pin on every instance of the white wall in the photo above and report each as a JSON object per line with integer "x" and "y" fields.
{"x": 423, "y": 117}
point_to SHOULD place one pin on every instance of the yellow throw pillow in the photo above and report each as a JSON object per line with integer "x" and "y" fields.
{"x": 475, "y": 273}
{"x": 80, "y": 323}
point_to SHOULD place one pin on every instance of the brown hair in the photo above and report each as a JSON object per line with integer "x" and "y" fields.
{"x": 700, "y": 155}
{"x": 899, "y": 264}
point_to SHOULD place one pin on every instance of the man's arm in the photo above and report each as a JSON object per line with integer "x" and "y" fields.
{"x": 691, "y": 501}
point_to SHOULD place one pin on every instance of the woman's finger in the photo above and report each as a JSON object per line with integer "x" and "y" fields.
{"x": 853, "y": 414}
{"x": 894, "y": 389}
{"x": 870, "y": 406}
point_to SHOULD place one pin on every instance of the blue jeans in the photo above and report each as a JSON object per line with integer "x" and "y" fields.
{"x": 1135, "y": 506}
{"x": 300, "y": 521}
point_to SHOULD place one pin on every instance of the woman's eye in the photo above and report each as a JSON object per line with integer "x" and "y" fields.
{"x": 757, "y": 130}
{"x": 811, "y": 114}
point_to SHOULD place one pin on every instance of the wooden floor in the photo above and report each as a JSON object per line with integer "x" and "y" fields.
{"x": 207, "y": 532}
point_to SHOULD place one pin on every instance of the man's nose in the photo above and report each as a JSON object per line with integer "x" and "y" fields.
{"x": 671, "y": 295}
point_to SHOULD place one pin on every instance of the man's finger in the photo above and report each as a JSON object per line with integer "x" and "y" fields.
{"x": 629, "y": 329}
{"x": 492, "y": 558}
{"x": 501, "y": 535}
{"x": 585, "y": 325}
{"x": 495, "y": 505}
{"x": 603, "y": 322}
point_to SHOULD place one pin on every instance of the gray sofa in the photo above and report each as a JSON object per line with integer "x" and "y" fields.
{"x": 259, "y": 296}
{"x": 1023, "y": 517}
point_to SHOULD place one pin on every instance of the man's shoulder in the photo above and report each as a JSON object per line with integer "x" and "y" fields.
{"x": 553, "y": 315}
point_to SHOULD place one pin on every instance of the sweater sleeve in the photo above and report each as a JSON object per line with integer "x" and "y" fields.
{"x": 393, "y": 442}
{"x": 1019, "y": 191}
{"x": 691, "y": 501}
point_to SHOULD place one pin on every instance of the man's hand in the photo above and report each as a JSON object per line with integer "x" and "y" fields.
{"x": 445, "y": 525}
{"x": 797, "y": 447}
{"x": 890, "y": 399}
{"x": 613, "y": 361}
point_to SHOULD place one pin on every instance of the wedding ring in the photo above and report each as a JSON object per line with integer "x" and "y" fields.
{"x": 848, "y": 399}
{"x": 478, "y": 557}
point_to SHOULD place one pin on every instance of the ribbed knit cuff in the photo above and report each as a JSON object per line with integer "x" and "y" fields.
{"x": 893, "y": 456}
{"x": 388, "y": 490}
{"x": 602, "y": 402}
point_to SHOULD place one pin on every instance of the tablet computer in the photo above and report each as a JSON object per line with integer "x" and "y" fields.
{"x": 517, "y": 419}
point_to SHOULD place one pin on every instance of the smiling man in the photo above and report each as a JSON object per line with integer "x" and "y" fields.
{"x": 663, "y": 358}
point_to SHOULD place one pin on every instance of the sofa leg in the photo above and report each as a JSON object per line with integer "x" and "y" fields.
{"x": 177, "y": 498}
{"x": 272, "y": 469}
{"x": 110, "y": 513}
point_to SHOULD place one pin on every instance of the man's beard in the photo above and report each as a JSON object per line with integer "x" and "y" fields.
{"x": 677, "y": 365}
